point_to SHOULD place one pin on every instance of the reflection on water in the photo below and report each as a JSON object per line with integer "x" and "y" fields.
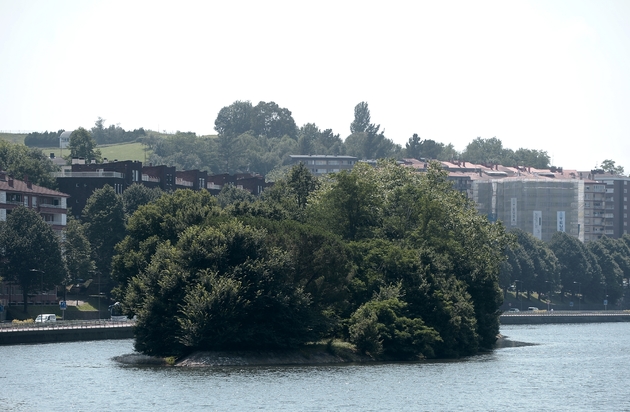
{"x": 573, "y": 367}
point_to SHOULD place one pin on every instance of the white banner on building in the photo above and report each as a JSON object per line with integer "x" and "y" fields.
{"x": 561, "y": 221}
{"x": 513, "y": 212}
{"x": 538, "y": 224}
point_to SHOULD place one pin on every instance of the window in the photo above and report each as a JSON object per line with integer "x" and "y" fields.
{"x": 320, "y": 162}
{"x": 333, "y": 162}
{"x": 14, "y": 197}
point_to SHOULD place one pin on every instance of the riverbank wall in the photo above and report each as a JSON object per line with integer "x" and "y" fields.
{"x": 544, "y": 317}
{"x": 44, "y": 335}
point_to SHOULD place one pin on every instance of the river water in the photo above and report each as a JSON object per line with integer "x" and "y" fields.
{"x": 577, "y": 367}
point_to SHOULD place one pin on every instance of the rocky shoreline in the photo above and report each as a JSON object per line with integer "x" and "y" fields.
{"x": 317, "y": 355}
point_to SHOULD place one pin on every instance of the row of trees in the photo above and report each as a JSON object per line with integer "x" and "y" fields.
{"x": 101, "y": 134}
{"x": 597, "y": 270}
{"x": 397, "y": 263}
{"x": 260, "y": 139}
{"x": 45, "y": 139}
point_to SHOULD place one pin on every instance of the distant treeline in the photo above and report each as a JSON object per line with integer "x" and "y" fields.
{"x": 260, "y": 139}
{"x": 46, "y": 139}
{"x": 102, "y": 135}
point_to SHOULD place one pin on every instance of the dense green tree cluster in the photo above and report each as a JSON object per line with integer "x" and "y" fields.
{"x": 397, "y": 263}
{"x": 45, "y": 139}
{"x": 20, "y": 161}
{"x": 82, "y": 145}
{"x": 598, "y": 270}
{"x": 30, "y": 252}
{"x": 114, "y": 133}
{"x": 491, "y": 151}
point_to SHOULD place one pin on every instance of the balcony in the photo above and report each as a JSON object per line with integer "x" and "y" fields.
{"x": 88, "y": 174}
{"x": 147, "y": 178}
{"x": 181, "y": 182}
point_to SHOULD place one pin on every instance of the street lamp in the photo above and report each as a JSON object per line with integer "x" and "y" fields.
{"x": 549, "y": 283}
{"x": 41, "y": 296}
{"x": 579, "y": 293}
{"x": 518, "y": 292}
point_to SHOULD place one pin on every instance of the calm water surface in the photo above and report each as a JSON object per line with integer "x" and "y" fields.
{"x": 582, "y": 367}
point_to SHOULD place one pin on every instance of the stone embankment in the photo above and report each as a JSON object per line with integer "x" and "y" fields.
{"x": 554, "y": 317}
{"x": 64, "y": 331}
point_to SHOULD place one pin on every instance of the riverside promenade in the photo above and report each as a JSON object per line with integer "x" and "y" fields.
{"x": 64, "y": 331}
{"x": 573, "y": 316}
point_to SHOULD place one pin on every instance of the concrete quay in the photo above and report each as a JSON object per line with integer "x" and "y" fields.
{"x": 544, "y": 317}
{"x": 64, "y": 331}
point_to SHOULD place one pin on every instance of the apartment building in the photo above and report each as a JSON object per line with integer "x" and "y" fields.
{"x": 612, "y": 191}
{"x": 50, "y": 204}
{"x": 323, "y": 164}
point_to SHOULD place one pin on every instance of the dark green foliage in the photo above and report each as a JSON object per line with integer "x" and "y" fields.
{"x": 30, "y": 252}
{"x": 158, "y": 222}
{"x": 316, "y": 259}
{"x": 185, "y": 151}
{"x": 46, "y": 139}
{"x": 416, "y": 148}
{"x": 379, "y": 327}
{"x": 271, "y": 120}
{"x": 104, "y": 221}
{"x": 82, "y": 145}
{"x": 491, "y": 151}
{"x": 361, "y": 118}
{"x": 21, "y": 161}
{"x": 137, "y": 195}
{"x": 114, "y": 133}
{"x": 77, "y": 252}
{"x": 225, "y": 289}
{"x": 230, "y": 194}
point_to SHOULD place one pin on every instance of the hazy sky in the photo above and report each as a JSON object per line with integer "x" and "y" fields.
{"x": 547, "y": 75}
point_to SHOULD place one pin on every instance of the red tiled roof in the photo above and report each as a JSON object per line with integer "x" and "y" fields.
{"x": 22, "y": 187}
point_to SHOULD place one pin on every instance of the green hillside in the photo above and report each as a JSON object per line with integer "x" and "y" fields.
{"x": 13, "y": 137}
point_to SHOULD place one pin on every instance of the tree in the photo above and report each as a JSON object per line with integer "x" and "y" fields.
{"x": 163, "y": 220}
{"x": 235, "y": 119}
{"x": 484, "y": 151}
{"x": 416, "y": 148}
{"x": 219, "y": 287}
{"x": 534, "y": 158}
{"x": 231, "y": 194}
{"x": 361, "y": 118}
{"x": 349, "y": 207}
{"x": 137, "y": 195}
{"x": 271, "y": 120}
{"x": 104, "y": 221}
{"x": 30, "y": 252}
{"x": 76, "y": 252}
{"x": 21, "y": 161}
{"x": 46, "y": 139}
{"x": 608, "y": 166}
{"x": 611, "y": 285}
{"x": 572, "y": 257}
{"x": 82, "y": 145}
{"x": 230, "y": 152}
{"x": 308, "y": 140}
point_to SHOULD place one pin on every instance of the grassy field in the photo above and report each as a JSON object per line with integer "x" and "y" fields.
{"x": 123, "y": 151}
{"x": 13, "y": 137}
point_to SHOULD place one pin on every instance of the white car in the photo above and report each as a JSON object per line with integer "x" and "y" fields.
{"x": 47, "y": 317}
